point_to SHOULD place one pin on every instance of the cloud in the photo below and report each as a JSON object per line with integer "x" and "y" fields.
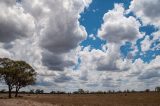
{"x": 146, "y": 44}
{"x": 47, "y": 34}
{"x": 149, "y": 74}
{"x": 123, "y": 75}
{"x": 62, "y": 78}
{"x": 45, "y": 81}
{"x": 59, "y": 29}
{"x": 44, "y": 33}
{"x": 156, "y": 38}
{"x": 62, "y": 32}
{"x": 4, "y": 53}
{"x": 56, "y": 61}
{"x": 147, "y": 11}
{"x": 117, "y": 27}
{"x": 108, "y": 60}
{"x": 8, "y": 2}
{"x": 143, "y": 70}
{"x": 14, "y": 23}
{"x": 109, "y": 82}
{"x": 151, "y": 43}
{"x": 87, "y": 2}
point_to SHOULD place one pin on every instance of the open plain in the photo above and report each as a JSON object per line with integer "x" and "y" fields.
{"x": 118, "y": 99}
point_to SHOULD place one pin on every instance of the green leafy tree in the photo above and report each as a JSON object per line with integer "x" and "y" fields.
{"x": 16, "y": 74}
{"x": 26, "y": 75}
{"x": 7, "y": 73}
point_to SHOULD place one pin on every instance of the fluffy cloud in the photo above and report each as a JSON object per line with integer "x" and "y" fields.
{"x": 47, "y": 33}
{"x": 117, "y": 27}
{"x": 156, "y": 38}
{"x": 142, "y": 70}
{"x": 146, "y": 44}
{"x": 150, "y": 74}
{"x": 59, "y": 30}
{"x": 4, "y": 53}
{"x": 56, "y": 61}
{"x": 147, "y": 11}
{"x": 62, "y": 31}
{"x": 51, "y": 33}
{"x": 14, "y": 23}
{"x": 151, "y": 43}
{"x": 108, "y": 60}
{"x": 106, "y": 70}
{"x": 62, "y": 78}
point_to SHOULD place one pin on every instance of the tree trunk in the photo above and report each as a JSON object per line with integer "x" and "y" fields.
{"x": 17, "y": 89}
{"x": 9, "y": 92}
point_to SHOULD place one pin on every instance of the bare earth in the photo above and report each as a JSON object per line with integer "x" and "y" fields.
{"x": 130, "y": 99}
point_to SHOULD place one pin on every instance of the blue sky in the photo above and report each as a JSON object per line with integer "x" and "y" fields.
{"x": 92, "y": 19}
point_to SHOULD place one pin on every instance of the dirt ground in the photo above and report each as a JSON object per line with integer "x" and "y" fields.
{"x": 130, "y": 99}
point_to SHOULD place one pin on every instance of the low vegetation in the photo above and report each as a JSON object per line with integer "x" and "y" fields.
{"x": 111, "y": 99}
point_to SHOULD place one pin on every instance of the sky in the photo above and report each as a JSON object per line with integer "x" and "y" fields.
{"x": 88, "y": 44}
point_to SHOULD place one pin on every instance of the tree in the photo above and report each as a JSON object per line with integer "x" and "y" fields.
{"x": 25, "y": 75}
{"x": 38, "y": 91}
{"x": 31, "y": 91}
{"x": 53, "y": 92}
{"x": 7, "y": 73}
{"x": 147, "y": 90}
{"x": 3, "y": 91}
{"x": 16, "y": 74}
{"x": 81, "y": 91}
{"x": 157, "y": 89}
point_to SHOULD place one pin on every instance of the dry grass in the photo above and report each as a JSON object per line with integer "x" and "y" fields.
{"x": 21, "y": 102}
{"x": 130, "y": 99}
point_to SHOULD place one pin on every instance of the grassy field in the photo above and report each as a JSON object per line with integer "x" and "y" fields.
{"x": 128, "y": 99}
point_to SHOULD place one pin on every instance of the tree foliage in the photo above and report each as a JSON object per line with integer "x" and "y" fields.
{"x": 16, "y": 74}
{"x": 7, "y": 73}
{"x": 157, "y": 89}
{"x": 26, "y": 75}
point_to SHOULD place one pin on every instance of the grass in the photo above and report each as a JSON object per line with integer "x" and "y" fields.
{"x": 119, "y": 99}
{"x": 129, "y": 99}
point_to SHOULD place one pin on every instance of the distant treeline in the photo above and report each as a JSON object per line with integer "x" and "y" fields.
{"x": 81, "y": 91}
